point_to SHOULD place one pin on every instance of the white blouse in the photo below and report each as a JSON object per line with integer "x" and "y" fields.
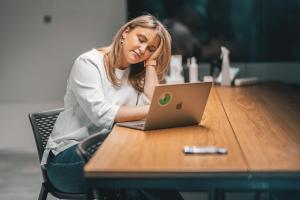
{"x": 91, "y": 103}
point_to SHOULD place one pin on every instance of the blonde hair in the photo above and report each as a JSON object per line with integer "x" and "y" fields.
{"x": 137, "y": 73}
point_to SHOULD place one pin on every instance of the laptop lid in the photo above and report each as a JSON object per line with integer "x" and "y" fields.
{"x": 175, "y": 105}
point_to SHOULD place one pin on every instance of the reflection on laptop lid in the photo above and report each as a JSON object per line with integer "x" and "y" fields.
{"x": 174, "y": 105}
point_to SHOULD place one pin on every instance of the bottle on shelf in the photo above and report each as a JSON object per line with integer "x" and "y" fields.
{"x": 226, "y": 81}
{"x": 193, "y": 70}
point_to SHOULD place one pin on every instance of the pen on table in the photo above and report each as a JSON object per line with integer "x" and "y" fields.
{"x": 204, "y": 150}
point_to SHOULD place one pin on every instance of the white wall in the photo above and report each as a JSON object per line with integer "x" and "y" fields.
{"x": 35, "y": 58}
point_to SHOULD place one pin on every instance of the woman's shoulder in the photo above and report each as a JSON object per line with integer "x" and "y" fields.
{"x": 91, "y": 54}
{"x": 90, "y": 60}
{"x": 103, "y": 50}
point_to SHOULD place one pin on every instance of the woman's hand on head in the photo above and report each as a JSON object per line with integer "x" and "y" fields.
{"x": 151, "y": 61}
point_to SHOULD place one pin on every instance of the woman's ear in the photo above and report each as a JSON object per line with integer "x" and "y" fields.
{"x": 125, "y": 32}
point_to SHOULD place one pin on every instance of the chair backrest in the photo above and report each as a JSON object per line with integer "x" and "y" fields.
{"x": 89, "y": 146}
{"x": 86, "y": 149}
{"x": 42, "y": 124}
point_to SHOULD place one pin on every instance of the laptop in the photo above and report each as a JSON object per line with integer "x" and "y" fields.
{"x": 174, "y": 105}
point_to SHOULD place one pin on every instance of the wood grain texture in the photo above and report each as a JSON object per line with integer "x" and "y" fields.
{"x": 266, "y": 121}
{"x": 160, "y": 152}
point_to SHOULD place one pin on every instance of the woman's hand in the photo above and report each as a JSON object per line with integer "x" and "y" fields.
{"x": 151, "y": 61}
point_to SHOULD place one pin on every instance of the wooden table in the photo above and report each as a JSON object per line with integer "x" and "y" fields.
{"x": 259, "y": 125}
{"x": 266, "y": 122}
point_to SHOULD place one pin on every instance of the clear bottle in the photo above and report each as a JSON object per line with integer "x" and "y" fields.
{"x": 193, "y": 70}
{"x": 225, "y": 81}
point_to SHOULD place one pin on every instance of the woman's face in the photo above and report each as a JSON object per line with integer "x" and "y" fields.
{"x": 139, "y": 44}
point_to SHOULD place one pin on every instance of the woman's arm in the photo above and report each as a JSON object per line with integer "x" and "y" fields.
{"x": 128, "y": 113}
{"x": 85, "y": 83}
{"x": 151, "y": 81}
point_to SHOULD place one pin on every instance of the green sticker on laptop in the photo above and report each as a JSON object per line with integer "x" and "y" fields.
{"x": 165, "y": 99}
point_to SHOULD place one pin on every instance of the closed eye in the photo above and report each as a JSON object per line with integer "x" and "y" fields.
{"x": 151, "y": 49}
{"x": 141, "y": 39}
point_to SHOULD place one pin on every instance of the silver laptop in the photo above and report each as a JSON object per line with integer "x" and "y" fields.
{"x": 174, "y": 105}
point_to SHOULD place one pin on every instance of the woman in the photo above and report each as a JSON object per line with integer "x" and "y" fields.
{"x": 108, "y": 85}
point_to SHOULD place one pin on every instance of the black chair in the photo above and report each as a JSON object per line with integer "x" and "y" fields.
{"x": 42, "y": 124}
{"x": 86, "y": 150}
{"x": 89, "y": 146}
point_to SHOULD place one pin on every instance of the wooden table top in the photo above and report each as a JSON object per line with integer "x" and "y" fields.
{"x": 266, "y": 121}
{"x": 259, "y": 125}
{"x": 129, "y": 152}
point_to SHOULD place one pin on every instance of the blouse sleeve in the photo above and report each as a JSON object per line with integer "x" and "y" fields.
{"x": 142, "y": 100}
{"x": 85, "y": 82}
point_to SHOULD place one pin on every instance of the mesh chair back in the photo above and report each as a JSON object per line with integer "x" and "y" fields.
{"x": 89, "y": 146}
{"x": 92, "y": 149}
{"x": 42, "y": 125}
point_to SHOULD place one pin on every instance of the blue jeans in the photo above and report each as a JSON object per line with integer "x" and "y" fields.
{"x": 65, "y": 172}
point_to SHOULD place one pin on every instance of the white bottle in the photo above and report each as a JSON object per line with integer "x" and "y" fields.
{"x": 193, "y": 70}
{"x": 175, "y": 70}
{"x": 226, "y": 81}
{"x": 246, "y": 81}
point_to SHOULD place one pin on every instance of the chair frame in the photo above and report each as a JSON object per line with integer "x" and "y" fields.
{"x": 47, "y": 186}
{"x": 85, "y": 149}
{"x": 87, "y": 143}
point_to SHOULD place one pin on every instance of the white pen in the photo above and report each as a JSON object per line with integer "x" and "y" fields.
{"x": 204, "y": 150}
